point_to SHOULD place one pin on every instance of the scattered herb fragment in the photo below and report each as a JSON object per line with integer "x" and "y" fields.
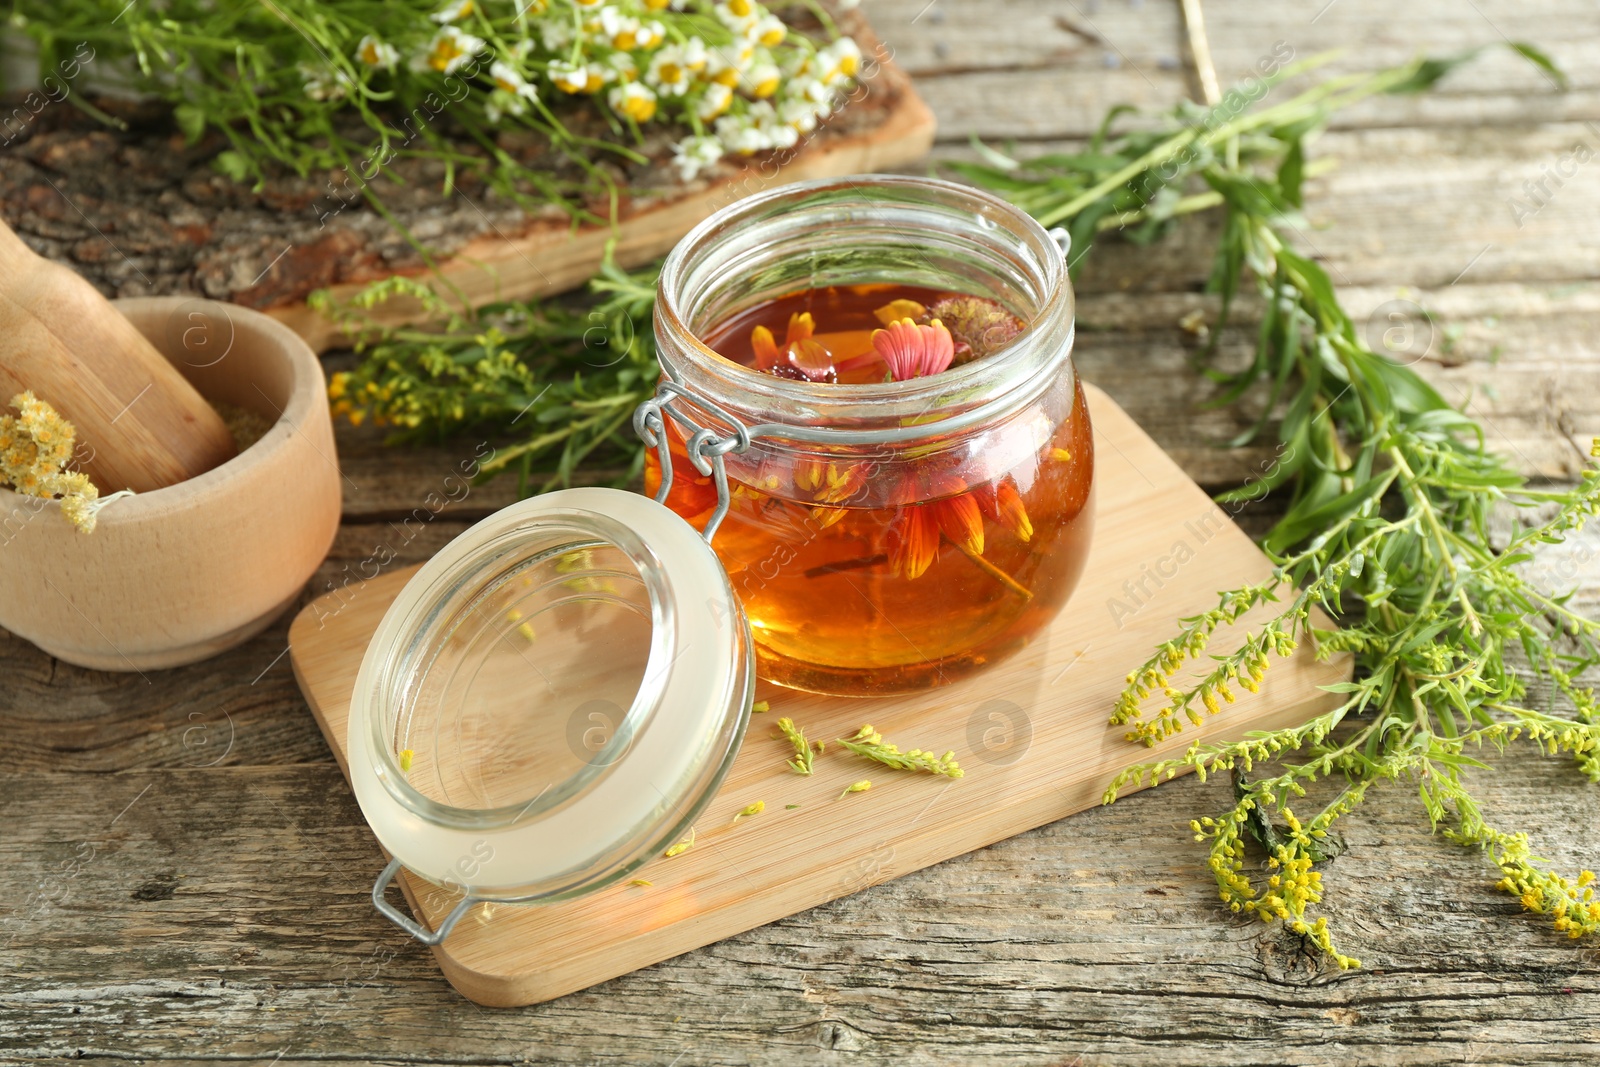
{"x": 760, "y": 706}
{"x": 791, "y": 807}
{"x": 641, "y": 882}
{"x": 406, "y": 756}
{"x": 751, "y": 809}
{"x": 870, "y": 743}
{"x": 681, "y": 847}
{"x": 805, "y": 751}
{"x": 858, "y": 787}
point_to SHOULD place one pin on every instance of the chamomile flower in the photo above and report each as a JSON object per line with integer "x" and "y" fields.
{"x": 511, "y": 92}
{"x": 619, "y": 30}
{"x": 669, "y": 72}
{"x": 694, "y": 154}
{"x": 555, "y": 33}
{"x": 633, "y": 101}
{"x": 779, "y": 135}
{"x": 377, "y": 54}
{"x": 323, "y": 83}
{"x": 568, "y": 77}
{"x": 761, "y": 80}
{"x": 449, "y": 51}
{"x": 577, "y": 77}
{"x": 841, "y": 59}
{"x": 810, "y": 89}
{"x": 651, "y": 34}
{"x": 727, "y": 62}
{"x": 510, "y": 80}
{"x": 801, "y": 114}
{"x": 713, "y": 102}
{"x": 454, "y": 12}
{"x": 768, "y": 31}
{"x": 622, "y": 68}
{"x": 695, "y": 54}
{"x": 738, "y": 15}
{"x": 750, "y": 132}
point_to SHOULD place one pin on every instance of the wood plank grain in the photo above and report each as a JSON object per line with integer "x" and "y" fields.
{"x": 1096, "y": 940}
{"x": 225, "y": 915}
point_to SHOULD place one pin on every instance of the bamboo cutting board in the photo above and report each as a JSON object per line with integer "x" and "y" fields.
{"x": 1031, "y": 734}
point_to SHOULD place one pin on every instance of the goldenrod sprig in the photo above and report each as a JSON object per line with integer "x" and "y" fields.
{"x": 870, "y": 743}
{"x": 804, "y": 751}
{"x": 1390, "y": 494}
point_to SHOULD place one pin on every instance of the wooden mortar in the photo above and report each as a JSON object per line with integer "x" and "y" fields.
{"x": 140, "y": 424}
{"x": 175, "y": 575}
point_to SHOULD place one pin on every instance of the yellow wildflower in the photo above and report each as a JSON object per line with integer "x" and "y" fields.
{"x": 633, "y": 101}
{"x": 35, "y": 448}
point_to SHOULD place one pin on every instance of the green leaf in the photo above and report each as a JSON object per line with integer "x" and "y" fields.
{"x": 233, "y": 165}
{"x": 191, "y": 120}
{"x": 1292, "y": 172}
{"x": 1298, "y": 525}
{"x": 1539, "y": 59}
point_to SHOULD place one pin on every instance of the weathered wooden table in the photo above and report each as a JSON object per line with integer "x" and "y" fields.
{"x": 184, "y": 875}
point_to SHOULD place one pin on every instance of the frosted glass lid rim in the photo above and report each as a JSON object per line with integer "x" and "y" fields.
{"x": 694, "y": 694}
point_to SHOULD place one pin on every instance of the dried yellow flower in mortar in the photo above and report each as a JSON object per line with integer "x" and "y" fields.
{"x": 35, "y": 447}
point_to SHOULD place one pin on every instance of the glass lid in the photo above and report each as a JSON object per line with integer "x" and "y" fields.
{"x": 552, "y": 698}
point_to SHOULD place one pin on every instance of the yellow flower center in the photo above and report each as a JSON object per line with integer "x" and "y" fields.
{"x": 639, "y": 108}
{"x": 445, "y": 53}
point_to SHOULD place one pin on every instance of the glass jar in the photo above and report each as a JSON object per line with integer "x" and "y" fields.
{"x": 897, "y": 535}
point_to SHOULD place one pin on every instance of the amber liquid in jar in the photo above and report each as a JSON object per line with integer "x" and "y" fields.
{"x": 941, "y": 574}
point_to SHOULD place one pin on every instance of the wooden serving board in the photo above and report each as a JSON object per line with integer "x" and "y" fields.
{"x": 1031, "y": 734}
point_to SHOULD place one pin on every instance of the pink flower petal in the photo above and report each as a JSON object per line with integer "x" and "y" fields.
{"x": 913, "y": 351}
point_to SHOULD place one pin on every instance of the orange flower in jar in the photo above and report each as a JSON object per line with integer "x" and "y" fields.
{"x": 910, "y": 350}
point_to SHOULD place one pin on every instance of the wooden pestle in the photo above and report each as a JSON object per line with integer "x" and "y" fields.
{"x": 140, "y": 424}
